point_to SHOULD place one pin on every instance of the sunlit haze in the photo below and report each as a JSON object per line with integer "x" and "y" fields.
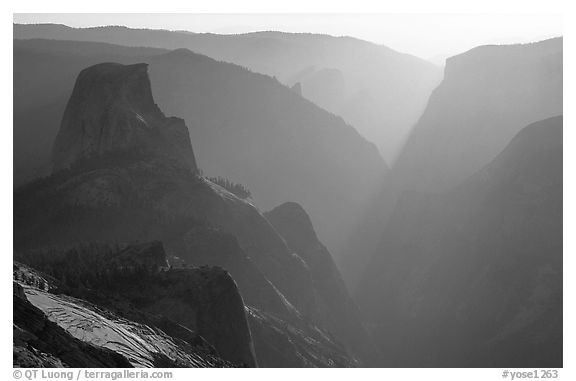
{"x": 429, "y": 36}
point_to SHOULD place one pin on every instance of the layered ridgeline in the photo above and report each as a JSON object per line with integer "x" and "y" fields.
{"x": 381, "y": 92}
{"x": 473, "y": 276}
{"x": 246, "y": 127}
{"x": 124, "y": 172}
{"x": 488, "y": 94}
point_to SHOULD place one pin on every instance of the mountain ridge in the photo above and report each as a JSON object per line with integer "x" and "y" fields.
{"x": 488, "y": 94}
{"x": 370, "y": 70}
{"x": 308, "y": 152}
{"x": 477, "y": 268}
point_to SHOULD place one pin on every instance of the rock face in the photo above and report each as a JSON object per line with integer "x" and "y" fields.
{"x": 473, "y": 276}
{"x": 206, "y": 300}
{"x": 336, "y": 309}
{"x": 284, "y": 344}
{"x": 118, "y": 97}
{"x": 487, "y": 96}
{"x": 297, "y": 88}
{"x": 54, "y": 329}
{"x": 215, "y": 310}
{"x": 327, "y": 88}
{"x": 141, "y": 194}
{"x": 41, "y": 343}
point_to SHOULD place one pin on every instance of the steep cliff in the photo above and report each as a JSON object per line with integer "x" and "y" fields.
{"x": 487, "y": 96}
{"x": 336, "y": 309}
{"x": 111, "y": 109}
{"x": 473, "y": 276}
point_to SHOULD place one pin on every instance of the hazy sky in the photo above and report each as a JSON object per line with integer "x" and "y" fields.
{"x": 426, "y": 35}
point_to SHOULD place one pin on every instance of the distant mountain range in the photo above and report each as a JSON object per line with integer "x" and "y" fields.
{"x": 379, "y": 91}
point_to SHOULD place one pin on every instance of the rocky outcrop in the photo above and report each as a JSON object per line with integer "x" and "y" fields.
{"x": 327, "y": 88}
{"x": 111, "y": 110}
{"x": 473, "y": 276}
{"x": 204, "y": 301}
{"x": 295, "y": 226}
{"x": 207, "y": 301}
{"x": 297, "y": 88}
{"x": 55, "y": 330}
{"x": 336, "y": 310}
{"x": 41, "y": 343}
{"x": 204, "y": 245}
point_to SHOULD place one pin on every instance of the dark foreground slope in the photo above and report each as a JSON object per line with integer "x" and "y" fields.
{"x": 473, "y": 277}
{"x": 381, "y": 92}
{"x": 74, "y": 321}
{"x": 245, "y": 126}
{"x": 488, "y": 94}
{"x": 128, "y": 189}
